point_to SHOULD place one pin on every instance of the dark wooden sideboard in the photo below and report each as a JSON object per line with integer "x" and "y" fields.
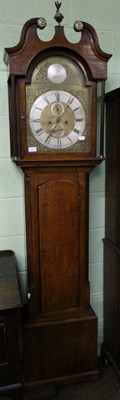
{"x": 111, "y": 345}
{"x": 10, "y": 328}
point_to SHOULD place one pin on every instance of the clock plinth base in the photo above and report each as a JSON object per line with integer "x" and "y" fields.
{"x": 61, "y": 350}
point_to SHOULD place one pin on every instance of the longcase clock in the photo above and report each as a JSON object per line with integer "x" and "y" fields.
{"x": 53, "y": 107}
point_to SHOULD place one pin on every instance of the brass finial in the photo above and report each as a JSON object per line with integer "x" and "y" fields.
{"x": 58, "y": 16}
{"x": 78, "y": 26}
{"x": 58, "y": 5}
{"x": 41, "y": 23}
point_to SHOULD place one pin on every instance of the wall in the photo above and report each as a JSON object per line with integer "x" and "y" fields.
{"x": 105, "y": 17}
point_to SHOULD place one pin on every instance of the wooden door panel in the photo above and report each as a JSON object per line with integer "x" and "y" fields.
{"x": 60, "y": 316}
{"x": 59, "y": 247}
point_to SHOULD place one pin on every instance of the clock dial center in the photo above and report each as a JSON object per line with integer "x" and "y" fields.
{"x": 60, "y": 116}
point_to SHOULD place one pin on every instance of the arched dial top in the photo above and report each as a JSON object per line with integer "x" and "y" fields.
{"x": 57, "y": 102}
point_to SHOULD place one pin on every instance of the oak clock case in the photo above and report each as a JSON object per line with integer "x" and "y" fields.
{"x": 53, "y": 106}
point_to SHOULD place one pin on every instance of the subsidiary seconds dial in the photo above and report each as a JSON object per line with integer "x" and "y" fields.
{"x": 57, "y": 119}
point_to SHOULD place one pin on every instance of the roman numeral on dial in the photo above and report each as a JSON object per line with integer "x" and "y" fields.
{"x": 76, "y": 130}
{"x": 57, "y": 96}
{"x": 46, "y": 99}
{"x": 59, "y": 142}
{"x": 70, "y": 100}
{"x": 48, "y": 139}
{"x": 36, "y": 120}
{"x": 39, "y": 131}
